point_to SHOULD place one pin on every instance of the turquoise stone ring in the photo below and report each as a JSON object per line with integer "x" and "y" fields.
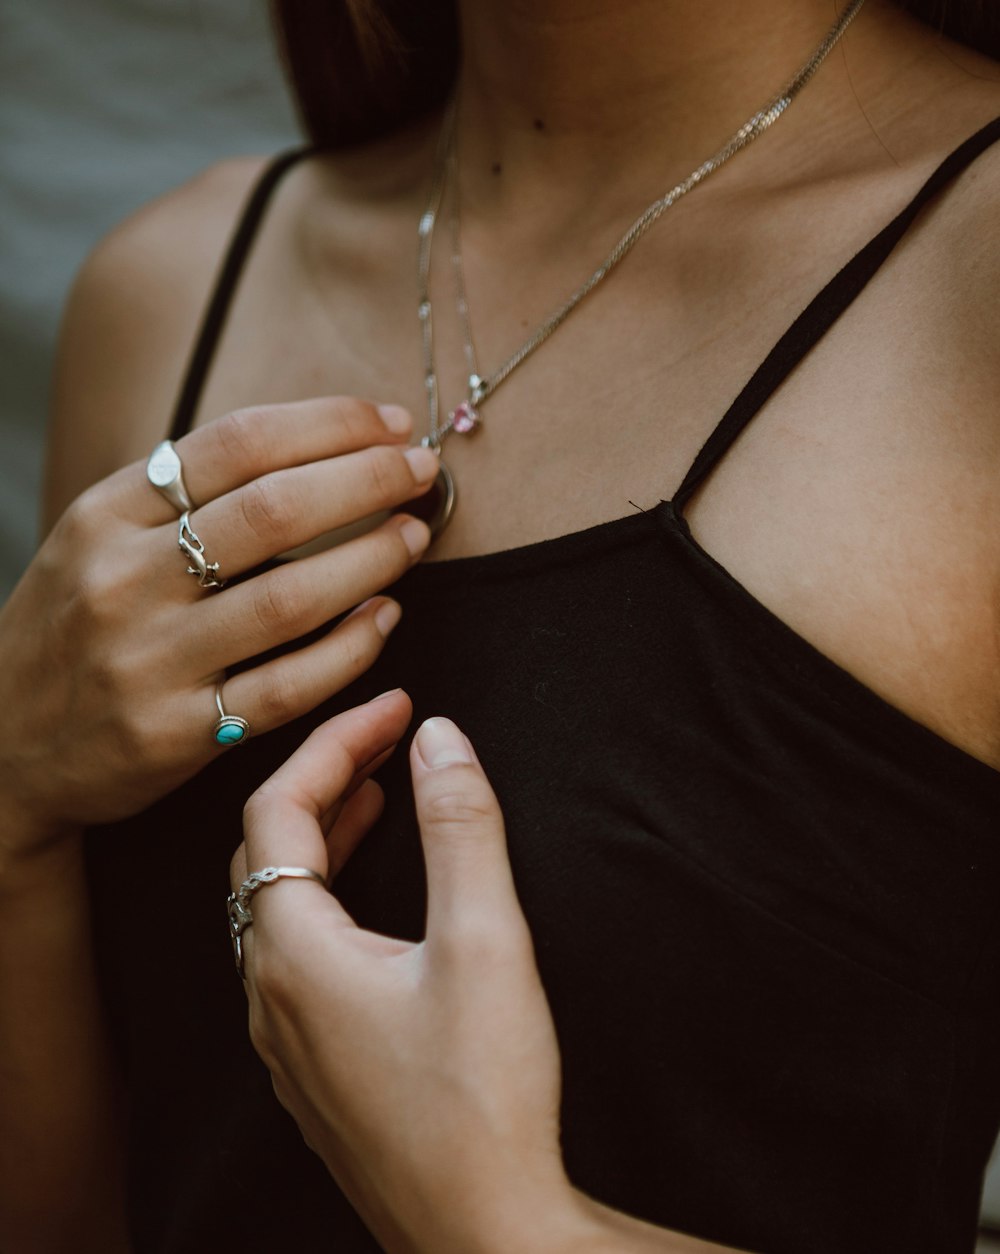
{"x": 230, "y": 729}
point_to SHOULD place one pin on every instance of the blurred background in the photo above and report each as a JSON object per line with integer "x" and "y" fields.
{"x": 103, "y": 106}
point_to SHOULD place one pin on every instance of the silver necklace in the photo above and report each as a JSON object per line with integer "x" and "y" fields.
{"x": 465, "y": 417}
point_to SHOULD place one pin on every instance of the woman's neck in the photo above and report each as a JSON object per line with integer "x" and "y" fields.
{"x": 572, "y": 81}
{"x": 630, "y": 96}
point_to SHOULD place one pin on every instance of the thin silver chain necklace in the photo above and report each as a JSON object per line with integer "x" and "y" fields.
{"x": 465, "y": 417}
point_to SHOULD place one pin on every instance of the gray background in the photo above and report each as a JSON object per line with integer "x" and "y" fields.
{"x": 105, "y": 104}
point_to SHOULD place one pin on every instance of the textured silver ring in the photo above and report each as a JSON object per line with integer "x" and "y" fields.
{"x": 165, "y": 472}
{"x": 230, "y": 729}
{"x": 191, "y": 546}
{"x": 238, "y": 903}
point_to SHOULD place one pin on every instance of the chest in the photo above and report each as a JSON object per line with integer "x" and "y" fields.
{"x": 827, "y": 508}
{"x": 605, "y": 416}
{"x": 736, "y": 892}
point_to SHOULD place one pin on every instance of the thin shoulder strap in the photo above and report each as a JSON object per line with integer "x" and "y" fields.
{"x": 822, "y": 312}
{"x": 229, "y": 276}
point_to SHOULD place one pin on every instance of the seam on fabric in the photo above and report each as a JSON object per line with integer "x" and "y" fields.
{"x": 817, "y": 941}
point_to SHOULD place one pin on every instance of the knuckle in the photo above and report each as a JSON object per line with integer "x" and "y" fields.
{"x": 107, "y": 682}
{"x": 262, "y": 969}
{"x": 255, "y": 804}
{"x": 285, "y": 1097}
{"x": 94, "y": 602}
{"x": 243, "y": 437}
{"x": 86, "y": 603}
{"x": 265, "y": 508}
{"x": 86, "y": 528}
{"x": 271, "y": 972}
{"x": 452, "y": 808}
{"x": 277, "y": 700}
{"x": 137, "y": 736}
{"x": 358, "y": 647}
{"x": 259, "y": 806}
{"x": 359, "y": 421}
{"x": 261, "y": 1037}
{"x": 277, "y": 603}
{"x": 81, "y": 516}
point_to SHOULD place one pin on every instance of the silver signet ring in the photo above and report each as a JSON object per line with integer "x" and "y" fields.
{"x": 165, "y": 473}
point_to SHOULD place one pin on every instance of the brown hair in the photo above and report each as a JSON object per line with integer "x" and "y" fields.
{"x": 361, "y": 68}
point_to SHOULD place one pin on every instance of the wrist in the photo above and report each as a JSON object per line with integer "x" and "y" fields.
{"x": 553, "y": 1218}
{"x": 33, "y": 849}
{"x": 607, "y": 1231}
{"x": 495, "y": 1212}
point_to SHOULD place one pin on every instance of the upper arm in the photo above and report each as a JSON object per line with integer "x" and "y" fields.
{"x": 966, "y": 293}
{"x": 964, "y": 350}
{"x": 128, "y": 328}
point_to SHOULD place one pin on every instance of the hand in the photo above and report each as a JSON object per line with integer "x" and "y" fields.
{"x": 426, "y": 1076}
{"x": 110, "y": 651}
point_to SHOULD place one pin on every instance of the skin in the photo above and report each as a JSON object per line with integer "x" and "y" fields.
{"x": 118, "y": 662}
{"x": 887, "y": 427}
{"x": 861, "y": 506}
{"x": 425, "y": 1076}
{"x": 368, "y": 1037}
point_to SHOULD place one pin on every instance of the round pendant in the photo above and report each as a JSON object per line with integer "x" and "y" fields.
{"x": 435, "y": 506}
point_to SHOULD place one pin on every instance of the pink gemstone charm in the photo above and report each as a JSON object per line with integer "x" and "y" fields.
{"x": 464, "y": 418}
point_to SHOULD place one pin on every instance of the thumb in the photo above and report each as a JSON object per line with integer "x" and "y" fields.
{"x": 469, "y": 882}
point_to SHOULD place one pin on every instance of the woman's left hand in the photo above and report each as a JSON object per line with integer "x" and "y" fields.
{"x": 425, "y": 1075}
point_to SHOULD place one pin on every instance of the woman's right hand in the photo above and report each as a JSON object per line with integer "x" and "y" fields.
{"x": 110, "y": 651}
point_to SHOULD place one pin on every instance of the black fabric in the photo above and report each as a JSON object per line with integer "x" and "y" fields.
{"x": 763, "y": 901}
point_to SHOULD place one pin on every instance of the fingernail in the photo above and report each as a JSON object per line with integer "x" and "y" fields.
{"x": 396, "y": 418}
{"x": 423, "y": 463}
{"x": 440, "y": 743}
{"x": 389, "y": 692}
{"x": 387, "y": 616}
{"x": 416, "y": 535}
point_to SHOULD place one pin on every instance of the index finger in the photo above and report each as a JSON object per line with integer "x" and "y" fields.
{"x": 241, "y": 446}
{"x": 282, "y": 820}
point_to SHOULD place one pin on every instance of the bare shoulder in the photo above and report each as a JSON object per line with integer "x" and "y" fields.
{"x": 897, "y": 503}
{"x": 955, "y": 313}
{"x": 951, "y": 296}
{"x": 967, "y": 253}
{"x": 951, "y": 357}
{"x": 952, "y": 102}
{"x": 128, "y": 327}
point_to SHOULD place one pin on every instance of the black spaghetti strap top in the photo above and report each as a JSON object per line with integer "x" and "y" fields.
{"x": 764, "y": 900}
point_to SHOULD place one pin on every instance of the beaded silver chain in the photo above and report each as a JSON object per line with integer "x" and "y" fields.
{"x": 465, "y": 416}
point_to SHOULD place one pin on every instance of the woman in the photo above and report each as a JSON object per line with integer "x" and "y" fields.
{"x": 745, "y": 742}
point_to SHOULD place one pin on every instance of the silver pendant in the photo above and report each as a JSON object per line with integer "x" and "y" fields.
{"x": 436, "y": 505}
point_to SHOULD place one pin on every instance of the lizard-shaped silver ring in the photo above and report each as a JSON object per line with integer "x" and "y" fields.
{"x": 191, "y": 546}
